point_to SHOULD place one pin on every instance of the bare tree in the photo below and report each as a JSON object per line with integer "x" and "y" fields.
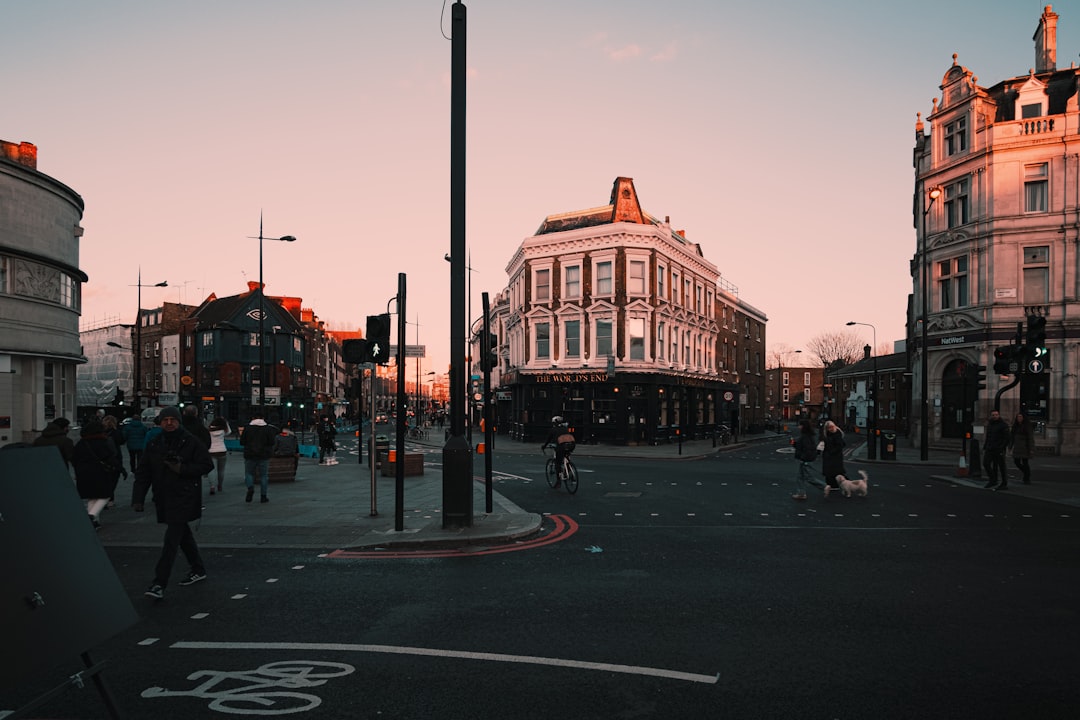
{"x": 780, "y": 355}
{"x": 831, "y": 347}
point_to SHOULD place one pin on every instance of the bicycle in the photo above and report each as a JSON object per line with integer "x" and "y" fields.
{"x": 569, "y": 471}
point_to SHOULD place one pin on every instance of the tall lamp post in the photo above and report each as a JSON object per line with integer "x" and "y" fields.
{"x": 924, "y": 422}
{"x": 136, "y": 400}
{"x": 262, "y": 314}
{"x": 871, "y": 449}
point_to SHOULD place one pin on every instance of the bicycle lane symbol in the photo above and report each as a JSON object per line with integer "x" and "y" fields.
{"x": 269, "y": 690}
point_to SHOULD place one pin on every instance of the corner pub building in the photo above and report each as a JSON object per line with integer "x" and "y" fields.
{"x": 619, "y": 324}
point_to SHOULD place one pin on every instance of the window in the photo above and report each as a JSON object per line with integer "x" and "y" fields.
{"x": 573, "y": 281}
{"x": 543, "y": 284}
{"x": 573, "y": 338}
{"x": 157, "y": 349}
{"x": 1035, "y": 187}
{"x": 956, "y": 136}
{"x": 603, "y": 278}
{"x": 603, "y": 338}
{"x": 635, "y": 281}
{"x": 675, "y": 287}
{"x": 660, "y": 282}
{"x": 253, "y": 339}
{"x": 786, "y": 395}
{"x": 688, "y": 295}
{"x": 957, "y": 203}
{"x": 806, "y": 379}
{"x": 146, "y": 349}
{"x": 637, "y": 338}
{"x": 1037, "y": 275}
{"x": 207, "y": 339}
{"x": 806, "y": 395}
{"x": 953, "y": 283}
{"x": 1033, "y": 110}
{"x": 543, "y": 341}
{"x": 697, "y": 298}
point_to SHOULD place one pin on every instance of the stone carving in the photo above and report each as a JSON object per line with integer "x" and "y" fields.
{"x": 36, "y": 280}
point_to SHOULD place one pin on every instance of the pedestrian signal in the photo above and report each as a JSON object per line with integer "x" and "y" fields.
{"x": 378, "y": 338}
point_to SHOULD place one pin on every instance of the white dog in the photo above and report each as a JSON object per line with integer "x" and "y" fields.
{"x": 854, "y": 487}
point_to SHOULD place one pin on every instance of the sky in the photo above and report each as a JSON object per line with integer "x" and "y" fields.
{"x": 779, "y": 135}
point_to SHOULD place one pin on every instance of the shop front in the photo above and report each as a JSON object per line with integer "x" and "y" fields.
{"x": 620, "y": 409}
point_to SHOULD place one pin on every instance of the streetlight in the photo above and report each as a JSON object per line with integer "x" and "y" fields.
{"x": 138, "y": 340}
{"x": 262, "y": 313}
{"x": 924, "y": 423}
{"x": 871, "y": 450}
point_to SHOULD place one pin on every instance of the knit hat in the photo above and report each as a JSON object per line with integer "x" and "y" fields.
{"x": 168, "y": 412}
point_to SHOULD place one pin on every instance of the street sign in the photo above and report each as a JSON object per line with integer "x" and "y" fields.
{"x": 411, "y": 351}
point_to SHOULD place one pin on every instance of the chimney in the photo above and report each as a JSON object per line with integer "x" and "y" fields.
{"x": 866, "y": 352}
{"x": 1046, "y": 41}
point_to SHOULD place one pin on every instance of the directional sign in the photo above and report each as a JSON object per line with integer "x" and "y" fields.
{"x": 411, "y": 351}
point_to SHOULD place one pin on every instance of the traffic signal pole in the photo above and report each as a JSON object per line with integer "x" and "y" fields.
{"x": 457, "y": 455}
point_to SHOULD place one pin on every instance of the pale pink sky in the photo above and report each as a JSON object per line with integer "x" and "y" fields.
{"x": 778, "y": 135}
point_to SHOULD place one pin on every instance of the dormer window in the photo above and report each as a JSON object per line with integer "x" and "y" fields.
{"x": 956, "y": 136}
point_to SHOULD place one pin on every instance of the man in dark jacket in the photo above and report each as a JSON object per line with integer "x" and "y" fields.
{"x": 56, "y": 433}
{"x": 258, "y": 442}
{"x": 174, "y": 463}
{"x": 996, "y": 441}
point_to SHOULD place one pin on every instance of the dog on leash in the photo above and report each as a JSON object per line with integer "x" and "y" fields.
{"x": 853, "y": 487}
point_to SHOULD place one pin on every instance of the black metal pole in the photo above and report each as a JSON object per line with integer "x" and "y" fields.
{"x": 457, "y": 455}
{"x": 924, "y": 365}
{"x": 402, "y": 419}
{"x": 485, "y": 357}
{"x": 262, "y": 328}
{"x": 138, "y": 349}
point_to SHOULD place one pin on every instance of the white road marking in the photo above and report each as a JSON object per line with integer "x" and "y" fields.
{"x": 462, "y": 654}
{"x": 149, "y": 641}
{"x": 239, "y": 596}
{"x": 271, "y": 580}
{"x": 200, "y": 616}
{"x": 297, "y": 567}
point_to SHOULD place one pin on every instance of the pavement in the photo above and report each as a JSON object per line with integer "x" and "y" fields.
{"x": 330, "y": 507}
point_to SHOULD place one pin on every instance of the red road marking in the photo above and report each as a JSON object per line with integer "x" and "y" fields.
{"x": 565, "y": 526}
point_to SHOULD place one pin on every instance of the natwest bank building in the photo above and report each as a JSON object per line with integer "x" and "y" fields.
{"x": 619, "y": 324}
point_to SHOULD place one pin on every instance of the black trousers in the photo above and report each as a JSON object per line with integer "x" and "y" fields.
{"x": 1024, "y": 467}
{"x": 177, "y": 536}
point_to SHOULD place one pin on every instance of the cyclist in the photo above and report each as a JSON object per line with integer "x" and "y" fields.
{"x": 564, "y": 443}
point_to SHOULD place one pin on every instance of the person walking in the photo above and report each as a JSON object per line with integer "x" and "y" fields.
{"x": 98, "y": 466}
{"x": 1022, "y": 443}
{"x": 134, "y": 431}
{"x": 832, "y": 456}
{"x": 219, "y": 428}
{"x": 173, "y": 463}
{"x": 258, "y": 442}
{"x": 327, "y": 446}
{"x": 805, "y": 453}
{"x": 56, "y": 433}
{"x": 995, "y": 444}
{"x": 194, "y": 425}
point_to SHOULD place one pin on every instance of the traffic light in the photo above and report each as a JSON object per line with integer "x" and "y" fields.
{"x": 1036, "y": 336}
{"x": 378, "y": 338}
{"x": 1006, "y": 359}
{"x": 491, "y": 356}
{"x": 980, "y": 376}
{"x": 355, "y": 351}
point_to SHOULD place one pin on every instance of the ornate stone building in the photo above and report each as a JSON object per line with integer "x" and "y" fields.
{"x": 619, "y": 323}
{"x": 40, "y": 295}
{"x": 997, "y": 213}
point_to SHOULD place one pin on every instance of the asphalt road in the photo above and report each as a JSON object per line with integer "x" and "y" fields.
{"x": 690, "y": 589}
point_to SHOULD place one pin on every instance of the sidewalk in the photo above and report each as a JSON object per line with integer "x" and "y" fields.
{"x": 1054, "y": 479}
